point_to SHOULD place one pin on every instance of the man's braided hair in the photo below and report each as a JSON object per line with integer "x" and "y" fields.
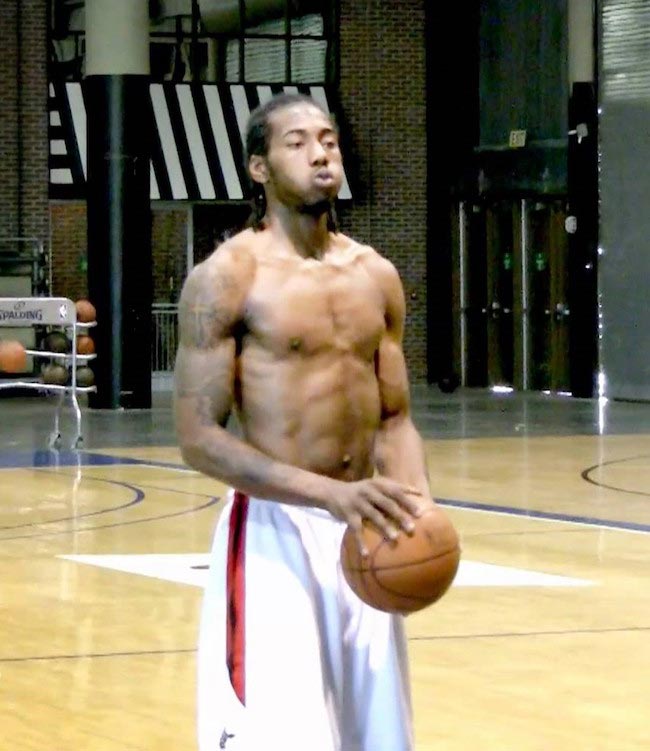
{"x": 258, "y": 137}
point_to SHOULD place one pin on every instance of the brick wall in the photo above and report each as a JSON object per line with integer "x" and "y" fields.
{"x": 169, "y": 251}
{"x": 34, "y": 120}
{"x": 23, "y": 119}
{"x": 69, "y": 241}
{"x": 168, "y": 240}
{"x": 383, "y": 98}
{"x": 9, "y": 120}
{"x": 70, "y": 238}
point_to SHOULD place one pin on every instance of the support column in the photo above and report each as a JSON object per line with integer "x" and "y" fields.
{"x": 119, "y": 211}
{"x": 583, "y": 222}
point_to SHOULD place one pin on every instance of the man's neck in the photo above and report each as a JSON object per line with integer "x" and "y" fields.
{"x": 306, "y": 233}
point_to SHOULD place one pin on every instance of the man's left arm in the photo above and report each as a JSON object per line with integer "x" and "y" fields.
{"x": 399, "y": 449}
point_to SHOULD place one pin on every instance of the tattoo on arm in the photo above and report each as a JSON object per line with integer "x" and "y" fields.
{"x": 204, "y": 380}
{"x": 205, "y": 411}
{"x": 200, "y": 324}
{"x": 205, "y": 313}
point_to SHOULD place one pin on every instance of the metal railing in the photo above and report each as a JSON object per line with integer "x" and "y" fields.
{"x": 26, "y": 258}
{"x": 164, "y": 336}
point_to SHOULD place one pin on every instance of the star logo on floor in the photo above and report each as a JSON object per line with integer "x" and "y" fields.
{"x": 192, "y": 569}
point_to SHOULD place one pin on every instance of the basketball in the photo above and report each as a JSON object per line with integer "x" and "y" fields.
{"x": 55, "y": 374}
{"x": 407, "y": 574}
{"x": 85, "y": 345}
{"x": 13, "y": 357}
{"x": 57, "y": 341}
{"x": 86, "y": 312}
{"x": 85, "y": 377}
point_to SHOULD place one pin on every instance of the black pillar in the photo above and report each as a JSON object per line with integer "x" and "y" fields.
{"x": 119, "y": 237}
{"x": 452, "y": 133}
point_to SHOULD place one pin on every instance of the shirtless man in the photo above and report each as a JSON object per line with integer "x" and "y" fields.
{"x": 298, "y": 329}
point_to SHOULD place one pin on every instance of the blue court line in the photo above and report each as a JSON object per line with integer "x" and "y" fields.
{"x": 113, "y": 525}
{"x": 586, "y": 475}
{"x": 52, "y": 458}
{"x": 590, "y": 521}
{"x": 138, "y": 498}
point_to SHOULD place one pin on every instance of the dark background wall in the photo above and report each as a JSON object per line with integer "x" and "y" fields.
{"x": 523, "y": 85}
{"x": 523, "y": 81}
{"x": 506, "y": 70}
{"x": 383, "y": 97}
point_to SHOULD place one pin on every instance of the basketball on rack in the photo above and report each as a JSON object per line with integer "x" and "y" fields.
{"x": 13, "y": 357}
{"x": 55, "y": 374}
{"x": 85, "y": 345}
{"x": 57, "y": 341}
{"x": 86, "y": 312}
{"x": 407, "y": 574}
{"x": 85, "y": 376}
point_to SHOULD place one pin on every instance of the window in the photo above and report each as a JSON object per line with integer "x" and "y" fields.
{"x": 233, "y": 41}
{"x": 283, "y": 48}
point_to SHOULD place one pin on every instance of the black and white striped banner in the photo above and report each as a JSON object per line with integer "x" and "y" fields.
{"x": 197, "y": 145}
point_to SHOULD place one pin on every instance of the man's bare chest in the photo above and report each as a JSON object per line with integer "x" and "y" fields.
{"x": 316, "y": 308}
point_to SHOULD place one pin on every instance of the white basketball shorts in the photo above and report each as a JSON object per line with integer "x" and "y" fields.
{"x": 289, "y": 658}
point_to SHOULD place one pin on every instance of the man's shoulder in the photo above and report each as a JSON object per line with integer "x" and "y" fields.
{"x": 385, "y": 275}
{"x": 375, "y": 262}
{"x": 236, "y": 255}
{"x": 230, "y": 267}
{"x": 237, "y": 248}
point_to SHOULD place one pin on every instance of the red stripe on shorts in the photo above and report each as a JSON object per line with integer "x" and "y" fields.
{"x": 236, "y": 593}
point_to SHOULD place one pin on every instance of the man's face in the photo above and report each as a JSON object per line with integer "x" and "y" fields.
{"x": 304, "y": 161}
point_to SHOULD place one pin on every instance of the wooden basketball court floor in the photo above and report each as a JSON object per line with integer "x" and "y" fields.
{"x": 541, "y": 645}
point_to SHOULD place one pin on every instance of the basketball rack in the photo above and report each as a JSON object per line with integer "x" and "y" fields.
{"x": 50, "y": 311}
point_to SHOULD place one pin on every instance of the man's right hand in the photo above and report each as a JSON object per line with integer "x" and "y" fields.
{"x": 388, "y": 504}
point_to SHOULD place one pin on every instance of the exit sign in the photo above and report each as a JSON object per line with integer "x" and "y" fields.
{"x": 517, "y": 139}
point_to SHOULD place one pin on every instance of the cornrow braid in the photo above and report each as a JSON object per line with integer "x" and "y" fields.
{"x": 258, "y": 209}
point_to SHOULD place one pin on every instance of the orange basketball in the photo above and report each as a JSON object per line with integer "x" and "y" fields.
{"x": 85, "y": 345}
{"x": 407, "y": 574}
{"x": 13, "y": 358}
{"x": 86, "y": 312}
